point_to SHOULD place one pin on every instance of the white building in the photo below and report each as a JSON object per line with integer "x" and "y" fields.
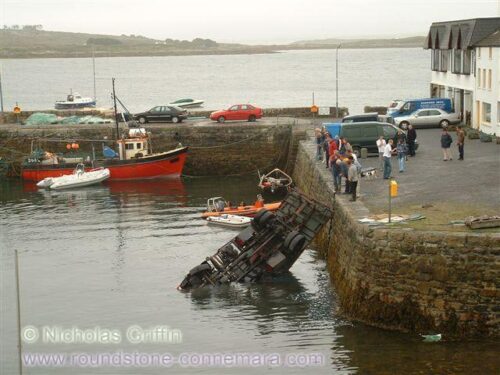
{"x": 465, "y": 64}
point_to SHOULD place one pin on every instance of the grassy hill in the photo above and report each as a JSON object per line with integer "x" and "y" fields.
{"x": 33, "y": 43}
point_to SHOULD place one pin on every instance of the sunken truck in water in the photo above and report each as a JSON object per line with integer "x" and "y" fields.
{"x": 270, "y": 246}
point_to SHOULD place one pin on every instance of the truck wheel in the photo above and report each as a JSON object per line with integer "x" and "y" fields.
{"x": 290, "y": 236}
{"x": 202, "y": 267}
{"x": 297, "y": 243}
{"x": 262, "y": 219}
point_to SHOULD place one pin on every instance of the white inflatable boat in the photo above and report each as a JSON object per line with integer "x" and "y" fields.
{"x": 79, "y": 178}
{"x": 227, "y": 220}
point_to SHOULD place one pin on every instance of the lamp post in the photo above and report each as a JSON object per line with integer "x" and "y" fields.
{"x": 1, "y": 93}
{"x": 337, "y": 81}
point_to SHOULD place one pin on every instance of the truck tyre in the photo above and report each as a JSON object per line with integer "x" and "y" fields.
{"x": 262, "y": 219}
{"x": 290, "y": 236}
{"x": 202, "y": 267}
{"x": 297, "y": 243}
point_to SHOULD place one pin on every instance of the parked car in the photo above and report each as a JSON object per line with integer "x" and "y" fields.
{"x": 237, "y": 112}
{"x": 162, "y": 113}
{"x": 427, "y": 118}
{"x": 365, "y": 134}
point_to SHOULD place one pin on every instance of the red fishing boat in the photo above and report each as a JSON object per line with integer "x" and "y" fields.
{"x": 134, "y": 160}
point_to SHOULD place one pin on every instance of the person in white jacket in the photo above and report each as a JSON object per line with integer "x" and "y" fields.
{"x": 381, "y": 146}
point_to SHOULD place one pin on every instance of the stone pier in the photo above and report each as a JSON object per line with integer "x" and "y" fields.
{"x": 401, "y": 278}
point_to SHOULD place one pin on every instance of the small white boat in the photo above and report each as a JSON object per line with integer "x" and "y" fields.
{"x": 187, "y": 103}
{"x": 78, "y": 178}
{"x": 74, "y": 101}
{"x": 227, "y": 220}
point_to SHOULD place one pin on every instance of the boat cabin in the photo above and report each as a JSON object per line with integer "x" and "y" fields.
{"x": 136, "y": 146}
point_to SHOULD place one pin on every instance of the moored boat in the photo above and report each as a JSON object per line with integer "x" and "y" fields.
{"x": 187, "y": 103}
{"x": 218, "y": 206}
{"x": 74, "y": 101}
{"x": 79, "y": 178}
{"x": 134, "y": 160}
{"x": 231, "y": 221}
{"x": 275, "y": 180}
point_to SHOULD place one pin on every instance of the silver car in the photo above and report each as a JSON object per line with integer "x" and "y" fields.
{"x": 428, "y": 118}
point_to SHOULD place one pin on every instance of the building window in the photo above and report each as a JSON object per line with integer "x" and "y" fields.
{"x": 486, "y": 112}
{"x": 483, "y": 85}
{"x": 435, "y": 60}
{"x": 479, "y": 78}
{"x": 467, "y": 61}
{"x": 489, "y": 79}
{"x": 490, "y": 53}
{"x": 457, "y": 61}
{"x": 444, "y": 60}
{"x": 479, "y": 53}
{"x": 129, "y": 146}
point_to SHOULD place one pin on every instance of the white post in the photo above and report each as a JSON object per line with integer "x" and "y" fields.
{"x": 19, "y": 347}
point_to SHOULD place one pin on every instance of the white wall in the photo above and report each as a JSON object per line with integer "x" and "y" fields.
{"x": 485, "y": 94}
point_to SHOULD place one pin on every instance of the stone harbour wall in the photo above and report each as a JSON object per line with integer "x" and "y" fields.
{"x": 214, "y": 149}
{"x": 408, "y": 280}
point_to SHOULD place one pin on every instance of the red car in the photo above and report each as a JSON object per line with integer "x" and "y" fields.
{"x": 237, "y": 112}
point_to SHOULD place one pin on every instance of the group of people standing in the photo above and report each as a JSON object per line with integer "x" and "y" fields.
{"x": 447, "y": 141}
{"x": 340, "y": 158}
{"x": 404, "y": 148}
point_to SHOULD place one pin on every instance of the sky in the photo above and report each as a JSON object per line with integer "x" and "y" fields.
{"x": 256, "y": 21}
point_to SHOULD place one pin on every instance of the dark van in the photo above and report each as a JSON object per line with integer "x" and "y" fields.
{"x": 366, "y": 117}
{"x": 365, "y": 134}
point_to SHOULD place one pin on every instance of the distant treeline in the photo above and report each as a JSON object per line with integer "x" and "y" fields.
{"x": 23, "y": 27}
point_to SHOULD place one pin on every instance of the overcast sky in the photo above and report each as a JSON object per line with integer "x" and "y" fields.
{"x": 256, "y": 21}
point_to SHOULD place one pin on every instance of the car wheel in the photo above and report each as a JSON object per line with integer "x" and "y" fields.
{"x": 221, "y": 119}
{"x": 252, "y": 118}
{"x": 444, "y": 123}
{"x": 175, "y": 119}
{"x": 404, "y": 125}
{"x": 143, "y": 120}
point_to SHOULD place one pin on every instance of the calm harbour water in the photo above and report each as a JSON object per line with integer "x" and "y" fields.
{"x": 111, "y": 256}
{"x": 366, "y": 77}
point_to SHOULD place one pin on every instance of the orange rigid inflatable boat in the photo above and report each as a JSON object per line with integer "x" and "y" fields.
{"x": 218, "y": 206}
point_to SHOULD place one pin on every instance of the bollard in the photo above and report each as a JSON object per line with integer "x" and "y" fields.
{"x": 364, "y": 153}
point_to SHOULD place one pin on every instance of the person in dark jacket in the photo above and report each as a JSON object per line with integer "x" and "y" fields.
{"x": 411, "y": 138}
{"x": 460, "y": 142}
{"x": 446, "y": 142}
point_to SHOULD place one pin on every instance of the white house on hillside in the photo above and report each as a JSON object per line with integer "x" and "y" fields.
{"x": 465, "y": 64}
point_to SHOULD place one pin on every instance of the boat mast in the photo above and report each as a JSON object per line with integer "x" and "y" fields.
{"x": 114, "y": 105}
{"x": 93, "y": 67}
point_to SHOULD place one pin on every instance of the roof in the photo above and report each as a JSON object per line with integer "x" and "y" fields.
{"x": 492, "y": 40}
{"x": 461, "y": 34}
